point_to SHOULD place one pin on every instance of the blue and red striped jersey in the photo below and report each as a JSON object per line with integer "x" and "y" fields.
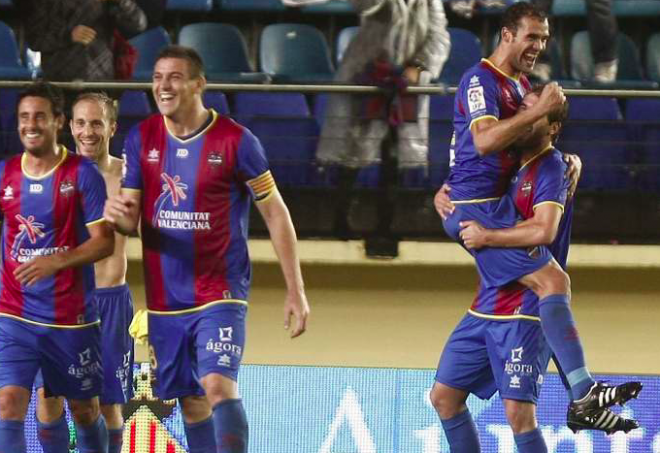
{"x": 483, "y": 92}
{"x": 541, "y": 180}
{"x": 43, "y": 216}
{"x": 196, "y": 196}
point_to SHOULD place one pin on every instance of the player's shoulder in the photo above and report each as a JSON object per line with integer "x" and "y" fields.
{"x": 478, "y": 74}
{"x": 147, "y": 125}
{"x": 553, "y": 163}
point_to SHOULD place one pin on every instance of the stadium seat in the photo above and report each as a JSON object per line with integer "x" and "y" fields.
{"x": 629, "y": 8}
{"x": 630, "y": 69}
{"x": 134, "y": 106}
{"x": 595, "y": 131}
{"x": 6, "y": 3}
{"x": 189, "y": 5}
{"x": 217, "y": 101}
{"x": 344, "y": 38}
{"x": 148, "y": 45}
{"x": 250, "y": 5}
{"x": 331, "y": 7}
{"x": 295, "y": 53}
{"x": 223, "y": 50}
{"x": 288, "y": 132}
{"x": 643, "y": 121}
{"x": 9, "y": 141}
{"x": 10, "y": 63}
{"x": 653, "y": 57}
{"x": 465, "y": 52}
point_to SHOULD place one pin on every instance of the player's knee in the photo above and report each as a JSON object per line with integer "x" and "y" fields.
{"x": 219, "y": 388}
{"x": 113, "y": 416}
{"x": 13, "y": 403}
{"x": 446, "y": 401}
{"x": 520, "y": 415}
{"x": 195, "y": 408}
{"x": 84, "y": 412}
{"x": 49, "y": 410}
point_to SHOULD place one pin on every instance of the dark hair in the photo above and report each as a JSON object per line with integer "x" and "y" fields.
{"x": 195, "y": 63}
{"x": 559, "y": 115}
{"x": 516, "y": 12}
{"x": 108, "y": 105}
{"x": 47, "y": 91}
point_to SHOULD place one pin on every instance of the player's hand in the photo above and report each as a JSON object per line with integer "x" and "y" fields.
{"x": 296, "y": 305}
{"x": 552, "y": 98}
{"x": 473, "y": 234}
{"x": 573, "y": 172}
{"x": 83, "y": 34}
{"x": 117, "y": 207}
{"x": 411, "y": 74}
{"x": 442, "y": 203}
{"x": 36, "y": 269}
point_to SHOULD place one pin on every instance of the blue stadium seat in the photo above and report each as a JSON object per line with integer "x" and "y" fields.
{"x": 148, "y": 45}
{"x": 630, "y": 73}
{"x": 250, "y": 5}
{"x": 189, "y": 5}
{"x": 643, "y": 121}
{"x": 344, "y": 38}
{"x": 6, "y": 3}
{"x": 595, "y": 131}
{"x": 653, "y": 57}
{"x": 331, "y": 7}
{"x": 217, "y": 101}
{"x": 465, "y": 52}
{"x": 285, "y": 127}
{"x": 629, "y": 8}
{"x": 295, "y": 53}
{"x": 10, "y": 63}
{"x": 441, "y": 128}
{"x": 9, "y": 141}
{"x": 134, "y": 106}
{"x": 319, "y": 107}
{"x": 223, "y": 50}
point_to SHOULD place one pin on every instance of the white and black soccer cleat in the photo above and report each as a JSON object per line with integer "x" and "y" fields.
{"x": 605, "y": 420}
{"x": 602, "y": 396}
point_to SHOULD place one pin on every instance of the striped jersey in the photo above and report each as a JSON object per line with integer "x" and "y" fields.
{"x": 43, "y": 216}
{"x": 541, "y": 180}
{"x": 483, "y": 92}
{"x": 196, "y": 194}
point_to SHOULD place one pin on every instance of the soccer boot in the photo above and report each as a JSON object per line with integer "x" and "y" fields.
{"x": 602, "y": 395}
{"x": 605, "y": 420}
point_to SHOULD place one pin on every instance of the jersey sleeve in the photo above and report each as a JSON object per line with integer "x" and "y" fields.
{"x": 91, "y": 186}
{"x": 132, "y": 171}
{"x": 552, "y": 184}
{"x": 480, "y": 95}
{"x": 253, "y": 167}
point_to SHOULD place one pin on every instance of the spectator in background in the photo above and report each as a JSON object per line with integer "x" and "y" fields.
{"x": 154, "y": 10}
{"x": 603, "y": 31}
{"x": 399, "y": 43}
{"x": 76, "y": 37}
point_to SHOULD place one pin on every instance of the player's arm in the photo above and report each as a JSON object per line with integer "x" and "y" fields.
{"x": 100, "y": 245}
{"x": 123, "y": 211}
{"x": 491, "y": 135}
{"x": 541, "y": 229}
{"x": 283, "y": 236}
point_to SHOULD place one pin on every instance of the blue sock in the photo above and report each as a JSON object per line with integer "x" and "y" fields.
{"x": 92, "y": 438}
{"x": 54, "y": 437}
{"x": 562, "y": 336}
{"x": 531, "y": 442}
{"x": 462, "y": 433}
{"x": 201, "y": 436}
{"x": 562, "y": 376}
{"x": 231, "y": 428}
{"x": 115, "y": 440}
{"x": 12, "y": 436}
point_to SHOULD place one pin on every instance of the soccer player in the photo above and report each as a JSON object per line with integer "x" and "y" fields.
{"x": 499, "y": 345}
{"x": 481, "y": 164}
{"x": 93, "y": 124}
{"x": 191, "y": 175}
{"x": 53, "y": 230}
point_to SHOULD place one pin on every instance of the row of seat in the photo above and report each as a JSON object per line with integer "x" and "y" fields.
{"x": 619, "y": 155}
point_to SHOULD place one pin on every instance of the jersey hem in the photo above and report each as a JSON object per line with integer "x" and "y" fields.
{"x": 45, "y": 324}
{"x": 475, "y": 200}
{"x": 503, "y": 317}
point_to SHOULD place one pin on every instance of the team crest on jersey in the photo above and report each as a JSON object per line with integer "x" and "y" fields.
{"x": 153, "y": 155}
{"x": 214, "y": 158}
{"x": 66, "y": 188}
{"x": 8, "y": 193}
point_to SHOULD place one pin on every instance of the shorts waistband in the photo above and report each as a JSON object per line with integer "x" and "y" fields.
{"x": 476, "y": 200}
{"x": 111, "y": 290}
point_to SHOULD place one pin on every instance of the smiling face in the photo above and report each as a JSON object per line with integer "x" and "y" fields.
{"x": 173, "y": 88}
{"x": 525, "y": 43}
{"x": 38, "y": 125}
{"x": 92, "y": 129}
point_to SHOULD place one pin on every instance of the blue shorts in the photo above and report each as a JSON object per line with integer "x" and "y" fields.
{"x": 70, "y": 358}
{"x": 117, "y": 347}
{"x": 483, "y": 356}
{"x": 497, "y": 266}
{"x": 186, "y": 347}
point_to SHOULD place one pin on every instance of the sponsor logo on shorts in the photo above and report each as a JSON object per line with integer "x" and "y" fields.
{"x": 85, "y": 369}
{"x": 224, "y": 346}
{"x": 516, "y": 368}
{"x": 514, "y": 383}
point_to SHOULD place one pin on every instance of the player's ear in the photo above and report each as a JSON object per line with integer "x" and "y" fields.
{"x": 113, "y": 128}
{"x": 60, "y": 120}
